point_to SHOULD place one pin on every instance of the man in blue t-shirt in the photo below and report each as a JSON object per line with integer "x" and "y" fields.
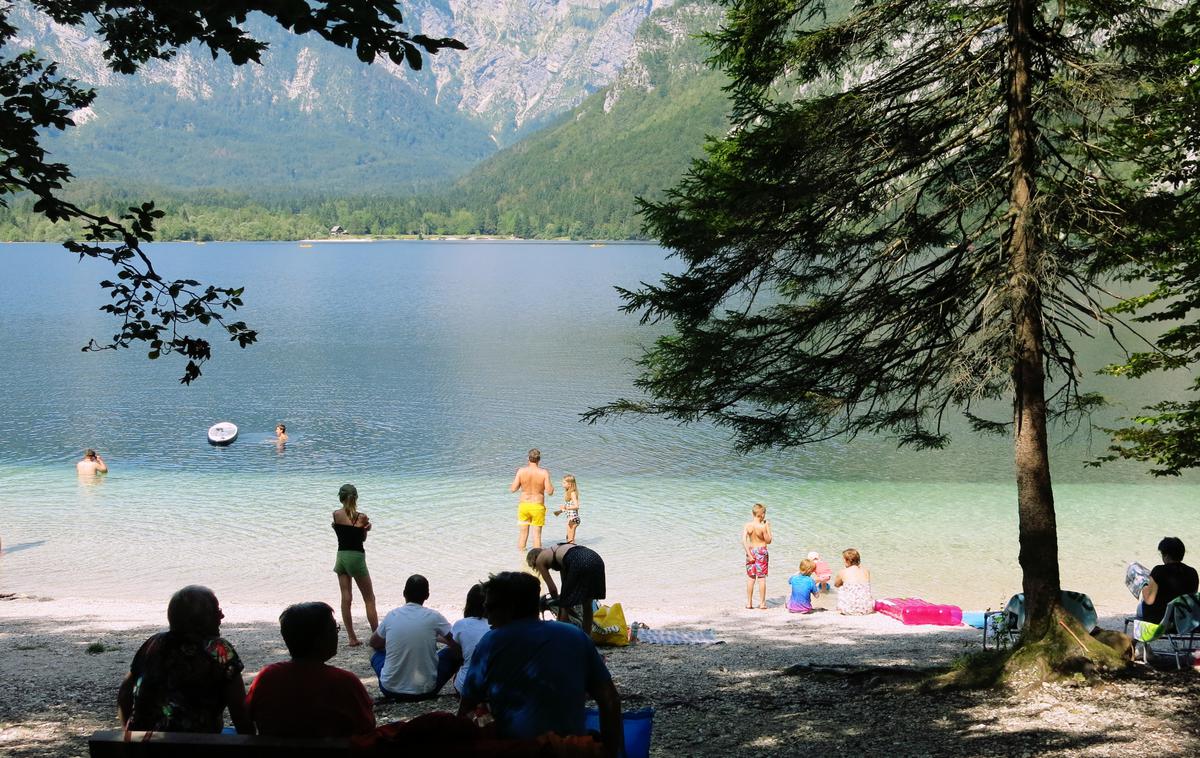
{"x": 536, "y": 675}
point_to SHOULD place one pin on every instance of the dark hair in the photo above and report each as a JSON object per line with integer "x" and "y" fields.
{"x": 416, "y": 589}
{"x": 535, "y": 455}
{"x": 302, "y": 625}
{"x": 474, "y": 605}
{"x": 89, "y": 453}
{"x": 282, "y": 428}
{"x": 1172, "y": 547}
{"x": 514, "y": 590}
{"x": 192, "y": 611}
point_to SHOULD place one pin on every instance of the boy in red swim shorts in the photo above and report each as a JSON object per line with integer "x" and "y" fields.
{"x": 755, "y": 538}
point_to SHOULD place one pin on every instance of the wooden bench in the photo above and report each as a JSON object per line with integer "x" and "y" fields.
{"x": 112, "y": 744}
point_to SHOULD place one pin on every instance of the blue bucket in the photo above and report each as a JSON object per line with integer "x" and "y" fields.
{"x": 637, "y": 726}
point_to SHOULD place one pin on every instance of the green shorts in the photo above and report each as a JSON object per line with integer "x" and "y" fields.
{"x": 351, "y": 562}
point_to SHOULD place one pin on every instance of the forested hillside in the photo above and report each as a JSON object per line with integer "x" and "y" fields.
{"x": 576, "y": 178}
{"x": 580, "y": 177}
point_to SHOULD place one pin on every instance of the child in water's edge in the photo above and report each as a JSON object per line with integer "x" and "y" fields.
{"x": 756, "y": 536}
{"x": 804, "y": 588}
{"x": 821, "y": 573}
{"x": 570, "y": 505}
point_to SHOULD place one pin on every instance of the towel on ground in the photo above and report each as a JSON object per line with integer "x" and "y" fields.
{"x": 672, "y": 637}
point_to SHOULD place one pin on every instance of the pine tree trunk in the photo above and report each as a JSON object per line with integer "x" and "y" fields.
{"x": 1035, "y": 498}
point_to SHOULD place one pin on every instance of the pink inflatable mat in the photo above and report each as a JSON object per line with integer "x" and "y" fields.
{"x": 914, "y": 610}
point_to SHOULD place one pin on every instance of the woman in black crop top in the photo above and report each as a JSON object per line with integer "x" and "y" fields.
{"x": 351, "y": 527}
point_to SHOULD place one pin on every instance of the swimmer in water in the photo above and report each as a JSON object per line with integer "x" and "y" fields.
{"x": 91, "y": 464}
{"x": 281, "y": 434}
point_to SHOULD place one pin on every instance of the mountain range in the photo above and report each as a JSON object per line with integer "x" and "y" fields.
{"x": 555, "y": 117}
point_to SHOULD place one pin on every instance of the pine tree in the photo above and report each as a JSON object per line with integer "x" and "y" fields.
{"x": 903, "y": 223}
{"x": 1161, "y": 136}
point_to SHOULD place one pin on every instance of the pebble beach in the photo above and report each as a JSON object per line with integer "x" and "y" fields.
{"x": 777, "y": 684}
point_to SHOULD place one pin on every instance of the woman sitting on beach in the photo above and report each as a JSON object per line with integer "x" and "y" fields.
{"x": 454, "y": 660}
{"x": 182, "y": 680}
{"x": 351, "y": 527}
{"x": 854, "y": 596}
{"x": 582, "y": 572}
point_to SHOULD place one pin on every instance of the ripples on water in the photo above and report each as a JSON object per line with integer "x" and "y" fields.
{"x": 422, "y": 372}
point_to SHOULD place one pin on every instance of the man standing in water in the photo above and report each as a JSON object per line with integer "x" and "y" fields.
{"x": 534, "y": 483}
{"x": 755, "y": 538}
{"x": 91, "y": 464}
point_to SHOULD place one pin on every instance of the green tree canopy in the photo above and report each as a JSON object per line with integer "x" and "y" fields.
{"x": 904, "y": 222}
{"x": 1161, "y": 136}
{"x": 150, "y": 309}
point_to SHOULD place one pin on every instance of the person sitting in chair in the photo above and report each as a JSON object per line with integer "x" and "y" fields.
{"x": 1168, "y": 581}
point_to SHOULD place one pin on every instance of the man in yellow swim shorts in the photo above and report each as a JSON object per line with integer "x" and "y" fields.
{"x": 534, "y": 483}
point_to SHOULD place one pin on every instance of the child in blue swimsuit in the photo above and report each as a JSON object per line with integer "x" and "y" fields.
{"x": 804, "y": 588}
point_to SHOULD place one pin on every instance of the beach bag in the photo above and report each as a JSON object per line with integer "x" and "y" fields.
{"x": 609, "y": 627}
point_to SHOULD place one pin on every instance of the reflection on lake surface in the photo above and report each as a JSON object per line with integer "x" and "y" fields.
{"x": 422, "y": 372}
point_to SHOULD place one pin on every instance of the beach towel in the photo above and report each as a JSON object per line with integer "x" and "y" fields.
{"x": 671, "y": 637}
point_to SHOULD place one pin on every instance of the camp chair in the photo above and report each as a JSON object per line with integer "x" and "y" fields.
{"x": 1077, "y": 604}
{"x": 1180, "y": 627}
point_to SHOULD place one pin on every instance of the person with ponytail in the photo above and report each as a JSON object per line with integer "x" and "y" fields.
{"x": 351, "y": 526}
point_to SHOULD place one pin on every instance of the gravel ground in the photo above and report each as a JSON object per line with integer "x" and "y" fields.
{"x": 770, "y": 689}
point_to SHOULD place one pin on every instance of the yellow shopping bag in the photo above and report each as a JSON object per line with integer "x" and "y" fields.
{"x": 609, "y": 627}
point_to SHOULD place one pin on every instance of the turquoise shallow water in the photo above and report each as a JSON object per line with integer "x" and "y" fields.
{"x": 422, "y": 372}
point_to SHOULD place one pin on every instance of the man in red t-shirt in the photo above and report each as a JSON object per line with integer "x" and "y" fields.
{"x": 304, "y": 697}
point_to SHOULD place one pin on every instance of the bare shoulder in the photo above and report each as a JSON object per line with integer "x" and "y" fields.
{"x": 339, "y": 517}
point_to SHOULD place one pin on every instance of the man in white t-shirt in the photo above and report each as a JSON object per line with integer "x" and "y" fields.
{"x": 405, "y": 658}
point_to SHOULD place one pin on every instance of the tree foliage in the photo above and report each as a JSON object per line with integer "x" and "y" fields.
{"x": 847, "y": 249}
{"x": 152, "y": 310}
{"x": 905, "y": 222}
{"x": 1161, "y": 136}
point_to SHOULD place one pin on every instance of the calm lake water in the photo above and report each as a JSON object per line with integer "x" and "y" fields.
{"x": 422, "y": 372}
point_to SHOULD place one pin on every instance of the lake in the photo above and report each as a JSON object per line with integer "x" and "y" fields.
{"x": 422, "y": 372}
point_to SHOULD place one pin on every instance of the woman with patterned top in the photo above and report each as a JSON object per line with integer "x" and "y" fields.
{"x": 854, "y": 597}
{"x": 182, "y": 680}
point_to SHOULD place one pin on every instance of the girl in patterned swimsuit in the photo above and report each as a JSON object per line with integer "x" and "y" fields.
{"x": 571, "y": 505}
{"x": 854, "y": 596}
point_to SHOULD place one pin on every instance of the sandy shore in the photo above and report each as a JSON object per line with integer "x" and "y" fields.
{"x": 741, "y": 697}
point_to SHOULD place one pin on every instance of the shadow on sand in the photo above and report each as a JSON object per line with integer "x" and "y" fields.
{"x": 730, "y": 699}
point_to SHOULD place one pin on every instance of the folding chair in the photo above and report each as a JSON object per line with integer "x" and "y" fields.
{"x": 1180, "y": 628}
{"x": 1077, "y": 604}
